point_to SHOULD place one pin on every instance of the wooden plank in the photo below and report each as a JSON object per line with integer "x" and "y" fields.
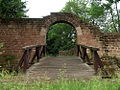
{"x": 26, "y": 60}
{"x": 89, "y": 47}
{"x": 78, "y": 50}
{"x": 83, "y": 53}
{"x": 95, "y": 62}
{"x": 32, "y": 46}
{"x": 34, "y": 56}
{"x": 98, "y": 59}
{"x": 100, "y": 63}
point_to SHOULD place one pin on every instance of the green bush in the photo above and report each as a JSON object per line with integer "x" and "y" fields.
{"x": 7, "y": 62}
{"x": 7, "y": 57}
{"x": 1, "y": 45}
{"x": 112, "y": 60}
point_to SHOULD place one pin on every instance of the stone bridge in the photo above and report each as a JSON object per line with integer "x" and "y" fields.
{"x": 17, "y": 33}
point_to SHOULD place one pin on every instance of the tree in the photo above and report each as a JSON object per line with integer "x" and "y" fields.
{"x": 112, "y": 5}
{"x": 89, "y": 11}
{"x": 60, "y": 37}
{"x": 78, "y": 8}
{"x": 12, "y": 9}
{"x": 103, "y": 13}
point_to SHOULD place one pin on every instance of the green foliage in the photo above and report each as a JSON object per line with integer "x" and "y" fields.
{"x": 95, "y": 84}
{"x": 96, "y": 11}
{"x": 112, "y": 59}
{"x": 4, "y": 73}
{"x": 78, "y": 8}
{"x": 7, "y": 61}
{"x": 12, "y": 9}
{"x": 1, "y": 45}
{"x": 7, "y": 74}
{"x": 102, "y": 13}
{"x": 60, "y": 37}
{"x": 109, "y": 57}
{"x": 7, "y": 57}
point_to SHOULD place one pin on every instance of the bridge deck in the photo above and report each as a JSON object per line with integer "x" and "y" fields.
{"x": 55, "y": 67}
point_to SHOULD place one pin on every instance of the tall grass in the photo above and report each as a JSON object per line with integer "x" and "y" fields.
{"x": 63, "y": 85}
{"x": 94, "y": 84}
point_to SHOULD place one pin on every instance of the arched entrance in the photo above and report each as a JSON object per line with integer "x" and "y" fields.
{"x": 61, "y": 39}
{"x": 67, "y": 18}
{"x": 85, "y": 33}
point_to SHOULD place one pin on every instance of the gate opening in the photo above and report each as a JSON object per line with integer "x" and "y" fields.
{"x": 61, "y": 39}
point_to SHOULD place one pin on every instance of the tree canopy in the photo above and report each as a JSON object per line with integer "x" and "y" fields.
{"x": 102, "y": 13}
{"x": 12, "y": 9}
{"x": 60, "y": 37}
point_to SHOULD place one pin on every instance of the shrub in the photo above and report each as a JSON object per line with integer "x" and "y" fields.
{"x": 1, "y": 45}
{"x": 6, "y": 57}
{"x": 111, "y": 64}
{"x": 113, "y": 60}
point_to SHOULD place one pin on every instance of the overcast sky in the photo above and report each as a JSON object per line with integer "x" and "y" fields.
{"x": 39, "y": 8}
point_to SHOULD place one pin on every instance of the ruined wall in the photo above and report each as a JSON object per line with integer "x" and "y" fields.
{"x": 111, "y": 44}
{"x": 17, "y": 33}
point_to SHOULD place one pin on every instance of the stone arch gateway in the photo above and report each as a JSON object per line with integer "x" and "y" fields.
{"x": 17, "y": 33}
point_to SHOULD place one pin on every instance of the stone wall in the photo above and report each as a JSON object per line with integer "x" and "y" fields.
{"x": 111, "y": 44}
{"x": 17, "y": 33}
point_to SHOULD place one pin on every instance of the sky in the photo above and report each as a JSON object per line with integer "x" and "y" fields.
{"x": 40, "y": 8}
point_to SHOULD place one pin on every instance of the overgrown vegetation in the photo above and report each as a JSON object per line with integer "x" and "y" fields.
{"x": 93, "y": 84}
{"x": 111, "y": 65}
{"x": 6, "y": 60}
{"x": 1, "y": 45}
{"x": 112, "y": 60}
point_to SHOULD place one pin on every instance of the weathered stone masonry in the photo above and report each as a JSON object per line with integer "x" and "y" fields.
{"x": 17, "y": 33}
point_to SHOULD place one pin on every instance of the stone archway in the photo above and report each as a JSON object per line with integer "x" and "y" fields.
{"x": 60, "y": 18}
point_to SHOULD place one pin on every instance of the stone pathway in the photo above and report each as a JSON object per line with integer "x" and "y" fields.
{"x": 51, "y": 68}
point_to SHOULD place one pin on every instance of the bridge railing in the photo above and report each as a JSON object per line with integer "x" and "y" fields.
{"x": 28, "y": 59}
{"x": 95, "y": 59}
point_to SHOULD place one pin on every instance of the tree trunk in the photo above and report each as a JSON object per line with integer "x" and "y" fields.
{"x": 111, "y": 12}
{"x": 118, "y": 17}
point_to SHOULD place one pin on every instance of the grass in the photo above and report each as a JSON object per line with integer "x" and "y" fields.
{"x": 10, "y": 82}
{"x": 63, "y": 85}
{"x": 93, "y": 84}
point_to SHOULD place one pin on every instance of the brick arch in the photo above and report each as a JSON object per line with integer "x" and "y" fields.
{"x": 61, "y": 17}
{"x": 84, "y": 33}
{"x": 54, "y": 18}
